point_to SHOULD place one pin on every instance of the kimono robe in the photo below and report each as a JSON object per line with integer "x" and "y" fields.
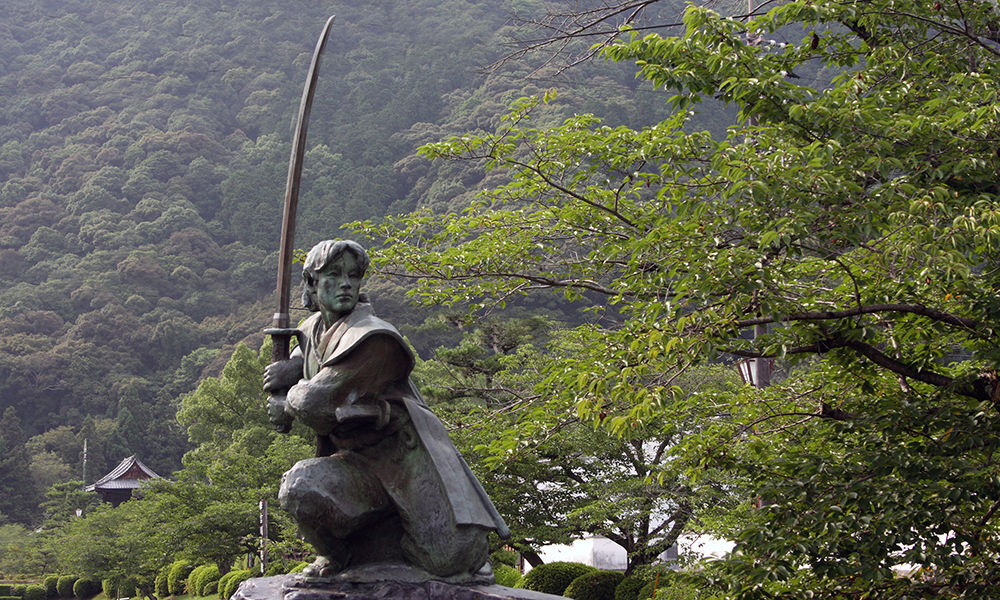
{"x": 387, "y": 485}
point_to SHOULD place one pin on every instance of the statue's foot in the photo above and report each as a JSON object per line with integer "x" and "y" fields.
{"x": 322, "y": 567}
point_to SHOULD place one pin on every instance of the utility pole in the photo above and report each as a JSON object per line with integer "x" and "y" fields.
{"x": 263, "y": 536}
{"x": 84, "y": 463}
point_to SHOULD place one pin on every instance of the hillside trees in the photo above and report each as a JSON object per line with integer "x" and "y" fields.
{"x": 857, "y": 223}
{"x": 142, "y": 150}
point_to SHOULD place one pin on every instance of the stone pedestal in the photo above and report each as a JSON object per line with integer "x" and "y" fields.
{"x": 292, "y": 587}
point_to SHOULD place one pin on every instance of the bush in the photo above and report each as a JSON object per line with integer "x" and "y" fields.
{"x": 86, "y": 588}
{"x": 594, "y": 586}
{"x": 506, "y": 575}
{"x": 50, "y": 582}
{"x": 35, "y": 592}
{"x": 647, "y": 591}
{"x": 223, "y": 582}
{"x": 675, "y": 590}
{"x": 18, "y": 589}
{"x": 554, "y": 578}
{"x": 64, "y": 587}
{"x": 298, "y": 568}
{"x": 211, "y": 588}
{"x": 160, "y": 584}
{"x": 193, "y": 582}
{"x": 9, "y": 597}
{"x": 629, "y": 588}
{"x": 209, "y": 575}
{"x": 177, "y": 576}
{"x": 6, "y": 590}
{"x": 234, "y": 582}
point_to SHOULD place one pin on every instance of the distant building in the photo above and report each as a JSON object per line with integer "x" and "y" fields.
{"x": 598, "y": 551}
{"x": 117, "y": 486}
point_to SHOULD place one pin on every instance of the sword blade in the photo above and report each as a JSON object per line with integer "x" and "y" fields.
{"x": 281, "y": 319}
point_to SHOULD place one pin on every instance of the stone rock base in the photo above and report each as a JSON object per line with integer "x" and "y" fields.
{"x": 291, "y": 587}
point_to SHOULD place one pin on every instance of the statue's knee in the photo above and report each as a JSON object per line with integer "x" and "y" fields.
{"x": 462, "y": 550}
{"x": 331, "y": 494}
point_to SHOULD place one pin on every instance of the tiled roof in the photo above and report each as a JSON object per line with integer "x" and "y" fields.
{"x": 129, "y": 474}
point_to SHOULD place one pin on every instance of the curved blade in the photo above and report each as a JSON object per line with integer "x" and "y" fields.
{"x": 281, "y": 318}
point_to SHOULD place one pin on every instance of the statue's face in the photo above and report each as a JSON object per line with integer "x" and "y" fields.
{"x": 338, "y": 286}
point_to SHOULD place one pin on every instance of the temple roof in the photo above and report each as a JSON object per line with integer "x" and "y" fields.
{"x": 128, "y": 475}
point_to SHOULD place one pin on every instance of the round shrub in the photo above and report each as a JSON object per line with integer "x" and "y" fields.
{"x": 629, "y": 588}
{"x": 234, "y": 582}
{"x": 193, "y": 584}
{"x": 64, "y": 587}
{"x": 554, "y": 578}
{"x": 209, "y": 576}
{"x": 86, "y": 588}
{"x": 594, "y": 586}
{"x": 35, "y": 592}
{"x": 223, "y": 582}
{"x": 506, "y": 575}
{"x": 50, "y": 582}
{"x": 177, "y": 576}
{"x": 18, "y": 589}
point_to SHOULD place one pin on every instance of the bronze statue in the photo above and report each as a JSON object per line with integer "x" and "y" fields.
{"x": 387, "y": 492}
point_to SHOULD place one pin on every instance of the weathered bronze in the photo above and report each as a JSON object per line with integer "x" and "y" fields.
{"x": 387, "y": 496}
{"x": 280, "y": 322}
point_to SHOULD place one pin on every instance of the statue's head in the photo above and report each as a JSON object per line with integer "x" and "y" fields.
{"x": 325, "y": 258}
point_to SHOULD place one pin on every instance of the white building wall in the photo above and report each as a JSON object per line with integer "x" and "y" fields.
{"x": 600, "y": 552}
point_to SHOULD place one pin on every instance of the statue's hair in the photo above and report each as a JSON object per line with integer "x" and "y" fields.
{"x": 321, "y": 255}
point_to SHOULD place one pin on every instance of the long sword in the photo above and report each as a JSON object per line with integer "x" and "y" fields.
{"x": 281, "y": 331}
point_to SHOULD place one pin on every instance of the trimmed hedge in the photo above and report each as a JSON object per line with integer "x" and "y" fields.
{"x": 6, "y": 590}
{"x": 201, "y": 576}
{"x": 50, "y": 583}
{"x": 64, "y": 586}
{"x": 34, "y": 592}
{"x": 18, "y": 589}
{"x": 629, "y": 588}
{"x": 594, "y": 586}
{"x": 177, "y": 577}
{"x": 86, "y": 588}
{"x": 554, "y": 578}
{"x": 223, "y": 582}
{"x": 235, "y": 578}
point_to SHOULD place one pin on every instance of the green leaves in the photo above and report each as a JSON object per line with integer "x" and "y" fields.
{"x": 852, "y": 213}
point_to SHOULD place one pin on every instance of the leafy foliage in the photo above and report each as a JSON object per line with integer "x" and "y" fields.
{"x": 555, "y": 476}
{"x": 853, "y": 218}
{"x": 554, "y": 577}
{"x": 594, "y": 586}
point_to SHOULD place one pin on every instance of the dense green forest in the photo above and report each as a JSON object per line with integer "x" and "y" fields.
{"x": 143, "y": 151}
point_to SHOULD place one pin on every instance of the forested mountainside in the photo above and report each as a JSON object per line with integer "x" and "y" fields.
{"x": 143, "y": 154}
